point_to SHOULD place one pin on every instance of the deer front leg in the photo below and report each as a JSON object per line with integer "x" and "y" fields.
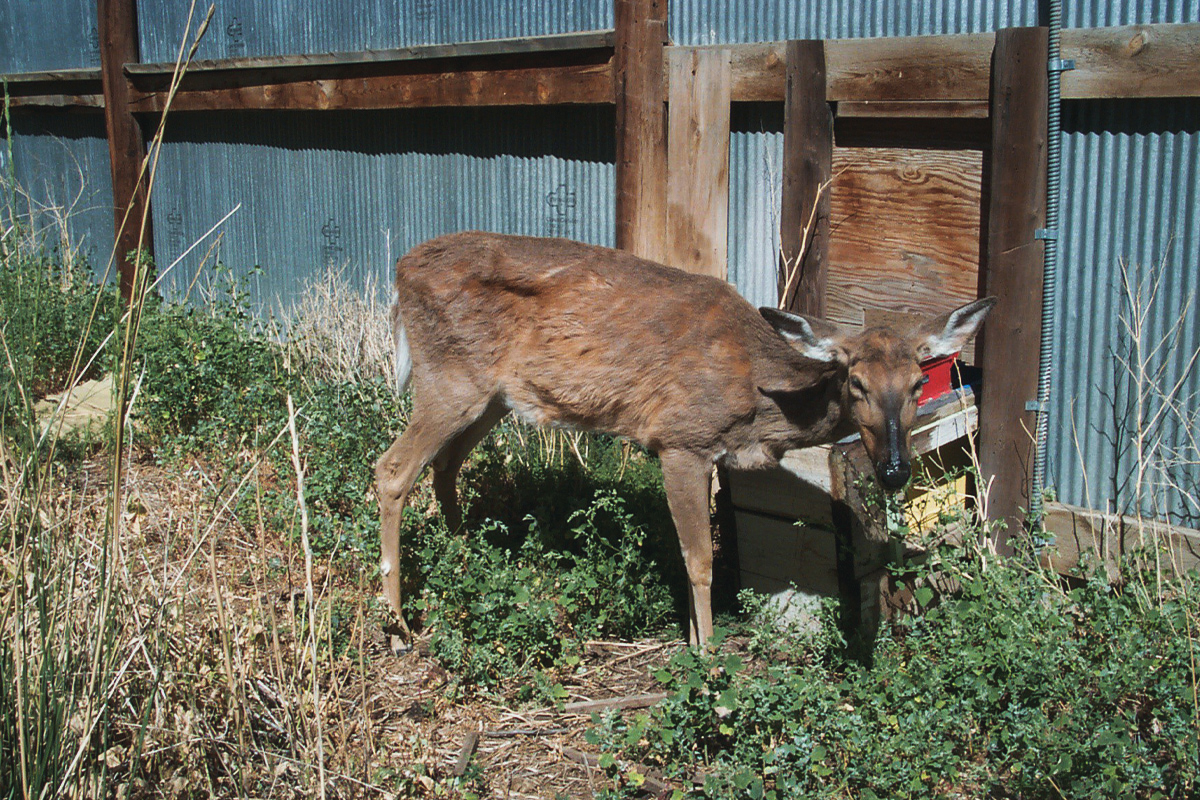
{"x": 395, "y": 473}
{"x": 686, "y": 477}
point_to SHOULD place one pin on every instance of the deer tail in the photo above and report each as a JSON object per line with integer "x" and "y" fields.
{"x": 403, "y": 355}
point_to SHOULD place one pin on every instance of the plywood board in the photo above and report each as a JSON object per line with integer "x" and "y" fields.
{"x": 904, "y": 231}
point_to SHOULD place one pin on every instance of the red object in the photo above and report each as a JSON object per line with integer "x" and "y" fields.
{"x": 938, "y": 371}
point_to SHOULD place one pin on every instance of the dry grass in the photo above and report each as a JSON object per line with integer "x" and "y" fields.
{"x": 338, "y": 329}
{"x": 222, "y": 672}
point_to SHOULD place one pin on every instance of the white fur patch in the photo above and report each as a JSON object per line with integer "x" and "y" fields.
{"x": 403, "y": 357}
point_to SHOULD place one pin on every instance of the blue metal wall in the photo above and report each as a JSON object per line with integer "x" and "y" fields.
{"x": 359, "y": 189}
{"x": 47, "y": 35}
{"x": 1131, "y": 207}
{"x": 60, "y": 165}
{"x": 274, "y": 27}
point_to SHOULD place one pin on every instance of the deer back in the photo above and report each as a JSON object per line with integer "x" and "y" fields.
{"x": 584, "y": 336}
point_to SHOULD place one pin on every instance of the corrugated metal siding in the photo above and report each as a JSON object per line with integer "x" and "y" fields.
{"x": 1101, "y": 13}
{"x": 359, "y": 189}
{"x": 49, "y": 34}
{"x": 60, "y": 163}
{"x": 282, "y": 27}
{"x": 720, "y": 22}
{"x": 755, "y": 181}
{"x": 1131, "y": 195}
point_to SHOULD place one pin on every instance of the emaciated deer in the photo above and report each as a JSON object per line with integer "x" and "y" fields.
{"x": 573, "y": 335}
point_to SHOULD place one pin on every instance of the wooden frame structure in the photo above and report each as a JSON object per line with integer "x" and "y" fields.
{"x": 673, "y": 111}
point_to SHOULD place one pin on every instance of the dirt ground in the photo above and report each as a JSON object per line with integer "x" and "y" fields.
{"x": 240, "y": 676}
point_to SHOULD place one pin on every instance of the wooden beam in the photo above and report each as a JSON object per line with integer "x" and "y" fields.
{"x": 641, "y": 126}
{"x": 698, "y": 159}
{"x": 515, "y": 85}
{"x": 1082, "y": 535}
{"x": 1132, "y": 61}
{"x": 61, "y": 88}
{"x": 126, "y": 147}
{"x": 1116, "y": 62}
{"x": 1012, "y": 271}
{"x": 913, "y": 109}
{"x": 807, "y": 165}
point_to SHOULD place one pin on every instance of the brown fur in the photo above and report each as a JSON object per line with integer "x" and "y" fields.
{"x": 570, "y": 334}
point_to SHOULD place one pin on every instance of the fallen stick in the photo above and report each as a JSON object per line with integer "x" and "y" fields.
{"x": 464, "y": 755}
{"x": 632, "y": 701}
{"x": 512, "y": 733}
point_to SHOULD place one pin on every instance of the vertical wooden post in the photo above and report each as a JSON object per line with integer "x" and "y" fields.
{"x": 126, "y": 146}
{"x": 1013, "y": 272}
{"x": 641, "y": 32}
{"x": 807, "y": 163}
{"x": 697, "y": 231}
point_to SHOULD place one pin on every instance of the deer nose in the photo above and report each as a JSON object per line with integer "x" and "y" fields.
{"x": 893, "y": 474}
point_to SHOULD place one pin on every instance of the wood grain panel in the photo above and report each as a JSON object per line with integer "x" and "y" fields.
{"x": 904, "y": 231}
{"x": 698, "y": 162}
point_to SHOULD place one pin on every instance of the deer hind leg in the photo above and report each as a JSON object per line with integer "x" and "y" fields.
{"x": 450, "y": 460}
{"x": 686, "y": 477}
{"x": 395, "y": 474}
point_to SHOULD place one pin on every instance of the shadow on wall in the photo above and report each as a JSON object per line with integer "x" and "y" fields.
{"x": 574, "y": 133}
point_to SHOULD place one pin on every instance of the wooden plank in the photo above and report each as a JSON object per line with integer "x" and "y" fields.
{"x": 585, "y": 40}
{"x": 1085, "y": 536}
{"x": 641, "y": 32}
{"x": 534, "y": 85}
{"x": 126, "y": 146}
{"x": 807, "y": 167}
{"x": 15, "y": 79}
{"x": 698, "y": 163}
{"x": 1013, "y": 273}
{"x": 89, "y": 100}
{"x": 1132, "y": 61}
{"x": 781, "y": 549}
{"x": 1128, "y": 61}
{"x": 905, "y": 228}
{"x": 892, "y": 68}
{"x": 914, "y": 109}
{"x": 910, "y": 67}
{"x": 781, "y": 493}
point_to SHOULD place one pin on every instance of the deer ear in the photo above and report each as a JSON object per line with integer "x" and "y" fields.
{"x": 945, "y": 335}
{"x": 814, "y": 338}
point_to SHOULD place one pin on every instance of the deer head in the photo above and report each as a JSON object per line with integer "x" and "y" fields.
{"x": 880, "y": 371}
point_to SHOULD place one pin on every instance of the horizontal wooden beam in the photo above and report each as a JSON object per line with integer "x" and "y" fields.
{"x": 1132, "y": 61}
{"x": 1082, "y": 535}
{"x": 914, "y": 109}
{"x": 529, "y": 86}
{"x": 63, "y": 88}
{"x": 587, "y": 40}
{"x": 1116, "y": 62}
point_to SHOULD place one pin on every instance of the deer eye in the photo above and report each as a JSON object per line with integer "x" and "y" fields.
{"x": 919, "y": 385}
{"x": 857, "y": 387}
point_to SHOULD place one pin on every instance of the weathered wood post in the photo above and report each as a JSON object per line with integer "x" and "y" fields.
{"x": 641, "y": 33}
{"x": 807, "y": 164}
{"x": 1012, "y": 270}
{"x": 126, "y": 145}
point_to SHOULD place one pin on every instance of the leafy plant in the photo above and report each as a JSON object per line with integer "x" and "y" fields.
{"x": 1013, "y": 687}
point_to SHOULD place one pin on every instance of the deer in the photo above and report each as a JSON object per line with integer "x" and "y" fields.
{"x": 579, "y": 336}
